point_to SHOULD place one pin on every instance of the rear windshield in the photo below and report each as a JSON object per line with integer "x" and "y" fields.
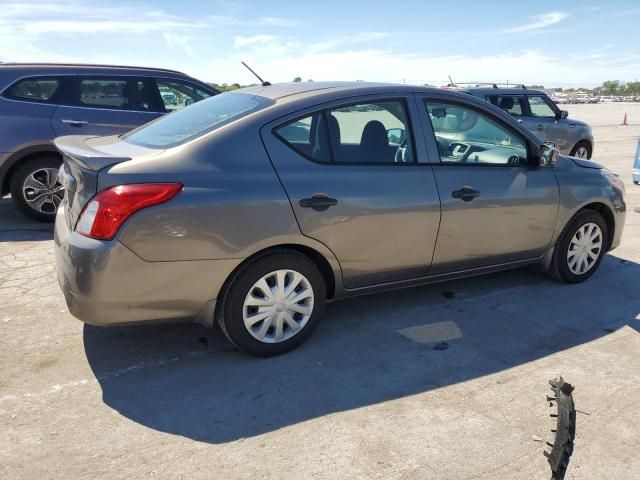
{"x": 196, "y": 120}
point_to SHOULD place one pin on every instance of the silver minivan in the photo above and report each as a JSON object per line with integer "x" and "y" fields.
{"x": 536, "y": 111}
{"x": 39, "y": 102}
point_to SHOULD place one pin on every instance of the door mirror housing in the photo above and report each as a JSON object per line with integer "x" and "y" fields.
{"x": 548, "y": 155}
{"x": 562, "y": 114}
{"x": 396, "y": 136}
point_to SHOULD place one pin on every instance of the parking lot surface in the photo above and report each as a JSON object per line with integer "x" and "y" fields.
{"x": 367, "y": 397}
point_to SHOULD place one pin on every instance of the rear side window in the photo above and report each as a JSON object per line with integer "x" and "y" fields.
{"x": 40, "y": 89}
{"x": 176, "y": 95}
{"x": 512, "y": 104}
{"x": 203, "y": 117}
{"x": 364, "y": 133}
{"x": 121, "y": 93}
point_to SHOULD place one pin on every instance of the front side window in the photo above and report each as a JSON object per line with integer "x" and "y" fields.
{"x": 176, "y": 95}
{"x": 512, "y": 104}
{"x": 540, "y": 108}
{"x": 40, "y": 89}
{"x": 121, "y": 93}
{"x": 467, "y": 137}
{"x": 201, "y": 118}
{"x": 364, "y": 133}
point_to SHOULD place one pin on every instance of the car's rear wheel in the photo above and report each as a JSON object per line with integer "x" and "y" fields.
{"x": 582, "y": 149}
{"x": 272, "y": 304}
{"x": 35, "y": 189}
{"x": 580, "y": 247}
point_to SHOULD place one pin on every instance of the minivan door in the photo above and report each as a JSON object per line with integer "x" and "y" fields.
{"x": 358, "y": 181}
{"x": 497, "y": 207}
{"x": 546, "y": 123}
{"x": 104, "y": 105}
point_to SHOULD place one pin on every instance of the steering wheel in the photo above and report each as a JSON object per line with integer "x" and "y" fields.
{"x": 460, "y": 148}
{"x": 401, "y": 153}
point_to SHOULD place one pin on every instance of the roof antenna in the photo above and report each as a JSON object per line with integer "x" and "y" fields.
{"x": 262, "y": 82}
{"x": 451, "y": 80}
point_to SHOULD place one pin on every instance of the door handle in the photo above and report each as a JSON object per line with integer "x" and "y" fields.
{"x": 74, "y": 123}
{"x": 466, "y": 194}
{"x": 539, "y": 127}
{"x": 318, "y": 202}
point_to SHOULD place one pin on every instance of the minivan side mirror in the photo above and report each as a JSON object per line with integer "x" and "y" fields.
{"x": 396, "y": 136}
{"x": 548, "y": 154}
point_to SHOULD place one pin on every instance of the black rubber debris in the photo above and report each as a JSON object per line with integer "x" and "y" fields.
{"x": 448, "y": 294}
{"x": 565, "y": 431}
{"x": 441, "y": 346}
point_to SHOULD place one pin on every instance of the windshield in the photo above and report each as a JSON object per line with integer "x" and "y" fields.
{"x": 196, "y": 120}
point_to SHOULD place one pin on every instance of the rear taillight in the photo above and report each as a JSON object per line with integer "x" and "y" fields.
{"x": 110, "y": 208}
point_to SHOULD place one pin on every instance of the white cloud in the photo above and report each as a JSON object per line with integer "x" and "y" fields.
{"x": 239, "y": 41}
{"x": 388, "y": 66}
{"x": 230, "y": 21}
{"x": 181, "y": 41}
{"x": 540, "y": 21}
{"x": 211, "y": 47}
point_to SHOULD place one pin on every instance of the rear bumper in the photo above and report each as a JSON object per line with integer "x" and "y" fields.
{"x": 105, "y": 283}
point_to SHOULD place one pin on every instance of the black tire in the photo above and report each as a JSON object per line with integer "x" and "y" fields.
{"x": 230, "y": 308}
{"x": 17, "y": 181}
{"x": 559, "y": 268}
{"x": 580, "y": 144}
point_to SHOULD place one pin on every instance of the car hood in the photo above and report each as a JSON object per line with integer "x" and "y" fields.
{"x": 581, "y": 162}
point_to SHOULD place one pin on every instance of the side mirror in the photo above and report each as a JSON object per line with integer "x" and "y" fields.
{"x": 548, "y": 155}
{"x": 562, "y": 114}
{"x": 396, "y": 136}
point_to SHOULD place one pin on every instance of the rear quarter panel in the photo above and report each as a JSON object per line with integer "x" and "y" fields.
{"x": 232, "y": 205}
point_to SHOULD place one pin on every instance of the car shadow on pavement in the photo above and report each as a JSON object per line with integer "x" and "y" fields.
{"x": 184, "y": 380}
{"x": 16, "y": 227}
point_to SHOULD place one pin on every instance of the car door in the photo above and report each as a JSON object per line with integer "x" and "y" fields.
{"x": 358, "y": 181}
{"x": 497, "y": 207}
{"x": 104, "y": 105}
{"x": 544, "y": 117}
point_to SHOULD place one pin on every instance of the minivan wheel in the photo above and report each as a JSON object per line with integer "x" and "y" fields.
{"x": 35, "y": 189}
{"x": 580, "y": 247}
{"x": 272, "y": 304}
{"x": 581, "y": 150}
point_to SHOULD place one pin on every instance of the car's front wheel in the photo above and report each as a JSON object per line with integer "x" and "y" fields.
{"x": 582, "y": 149}
{"x": 35, "y": 189}
{"x": 272, "y": 304}
{"x": 580, "y": 247}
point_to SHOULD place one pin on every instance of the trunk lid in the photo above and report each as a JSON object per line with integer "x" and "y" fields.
{"x": 83, "y": 157}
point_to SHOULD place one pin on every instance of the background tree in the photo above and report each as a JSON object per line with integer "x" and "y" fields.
{"x": 611, "y": 87}
{"x": 297, "y": 79}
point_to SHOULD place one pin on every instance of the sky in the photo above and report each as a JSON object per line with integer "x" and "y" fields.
{"x": 553, "y": 43}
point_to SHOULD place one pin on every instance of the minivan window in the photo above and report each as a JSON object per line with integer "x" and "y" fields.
{"x": 512, "y": 104}
{"x": 122, "y": 93}
{"x": 202, "y": 117}
{"x": 540, "y": 108}
{"x": 40, "y": 89}
{"x": 176, "y": 95}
